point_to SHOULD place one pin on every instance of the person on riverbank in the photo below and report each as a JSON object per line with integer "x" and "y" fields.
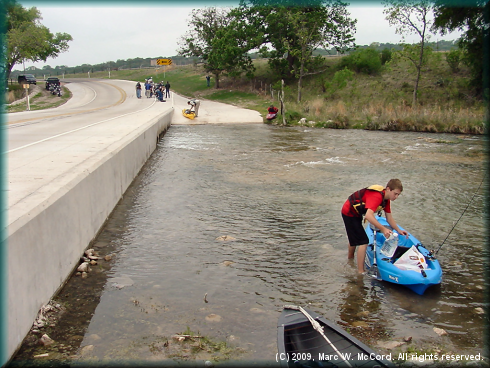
{"x": 194, "y": 105}
{"x": 138, "y": 90}
{"x": 272, "y": 112}
{"x": 365, "y": 203}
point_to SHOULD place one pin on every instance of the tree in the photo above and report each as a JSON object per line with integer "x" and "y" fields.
{"x": 306, "y": 31}
{"x": 310, "y": 33}
{"x": 411, "y": 16}
{"x": 292, "y": 30}
{"x": 28, "y": 39}
{"x": 220, "y": 40}
{"x": 474, "y": 20}
{"x": 198, "y": 40}
{"x": 232, "y": 44}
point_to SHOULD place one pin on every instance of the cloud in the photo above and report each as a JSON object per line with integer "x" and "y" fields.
{"x": 102, "y": 34}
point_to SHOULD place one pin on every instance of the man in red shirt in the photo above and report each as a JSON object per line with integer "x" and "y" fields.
{"x": 365, "y": 203}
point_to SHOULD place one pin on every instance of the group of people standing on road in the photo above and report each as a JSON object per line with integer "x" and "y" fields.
{"x": 160, "y": 90}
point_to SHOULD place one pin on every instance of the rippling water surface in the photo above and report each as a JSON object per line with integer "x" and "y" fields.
{"x": 276, "y": 194}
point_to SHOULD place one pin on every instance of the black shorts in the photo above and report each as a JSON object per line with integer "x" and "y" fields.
{"x": 355, "y": 231}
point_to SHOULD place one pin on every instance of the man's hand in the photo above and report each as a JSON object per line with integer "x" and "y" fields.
{"x": 386, "y": 232}
{"x": 403, "y": 232}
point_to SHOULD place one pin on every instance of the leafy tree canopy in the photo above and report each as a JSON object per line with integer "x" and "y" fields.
{"x": 219, "y": 40}
{"x": 287, "y": 26}
{"x": 287, "y": 32}
{"x": 28, "y": 39}
{"x": 474, "y": 19}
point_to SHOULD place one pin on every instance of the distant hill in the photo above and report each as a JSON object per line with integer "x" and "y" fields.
{"x": 441, "y": 45}
{"x": 141, "y": 63}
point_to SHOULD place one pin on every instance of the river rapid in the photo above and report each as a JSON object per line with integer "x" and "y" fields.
{"x": 227, "y": 223}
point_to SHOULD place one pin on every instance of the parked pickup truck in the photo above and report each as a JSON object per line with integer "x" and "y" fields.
{"x": 26, "y": 79}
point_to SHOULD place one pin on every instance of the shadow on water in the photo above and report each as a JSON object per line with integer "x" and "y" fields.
{"x": 226, "y": 224}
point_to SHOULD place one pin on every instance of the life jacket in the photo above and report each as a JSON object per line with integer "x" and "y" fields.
{"x": 357, "y": 206}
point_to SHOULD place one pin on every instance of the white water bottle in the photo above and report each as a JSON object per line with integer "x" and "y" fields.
{"x": 390, "y": 244}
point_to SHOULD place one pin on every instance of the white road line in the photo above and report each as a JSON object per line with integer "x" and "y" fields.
{"x": 76, "y": 130}
{"x": 40, "y": 119}
{"x": 95, "y": 95}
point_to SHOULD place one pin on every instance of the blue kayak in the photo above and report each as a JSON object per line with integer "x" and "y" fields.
{"x": 392, "y": 266}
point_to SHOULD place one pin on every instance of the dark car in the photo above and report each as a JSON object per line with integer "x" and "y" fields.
{"x": 27, "y": 79}
{"x": 52, "y": 81}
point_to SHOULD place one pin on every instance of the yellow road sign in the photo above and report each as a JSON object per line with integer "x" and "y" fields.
{"x": 164, "y": 61}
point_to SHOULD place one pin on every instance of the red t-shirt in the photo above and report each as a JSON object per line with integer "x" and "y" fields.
{"x": 372, "y": 200}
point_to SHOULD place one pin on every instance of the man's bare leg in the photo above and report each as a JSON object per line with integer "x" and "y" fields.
{"x": 361, "y": 254}
{"x": 351, "y": 252}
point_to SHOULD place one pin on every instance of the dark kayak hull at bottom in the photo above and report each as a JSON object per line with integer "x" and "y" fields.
{"x": 300, "y": 345}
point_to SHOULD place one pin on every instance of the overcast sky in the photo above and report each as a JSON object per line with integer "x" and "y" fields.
{"x": 104, "y": 33}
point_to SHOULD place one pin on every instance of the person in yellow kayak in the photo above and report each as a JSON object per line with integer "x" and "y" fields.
{"x": 365, "y": 203}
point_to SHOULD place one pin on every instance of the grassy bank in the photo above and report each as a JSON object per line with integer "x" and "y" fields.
{"x": 41, "y": 99}
{"x": 379, "y": 102}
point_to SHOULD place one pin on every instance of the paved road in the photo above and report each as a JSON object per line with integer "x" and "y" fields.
{"x": 96, "y": 101}
{"x": 93, "y": 102}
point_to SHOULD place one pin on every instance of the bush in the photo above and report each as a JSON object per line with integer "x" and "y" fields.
{"x": 365, "y": 61}
{"x": 385, "y": 56}
{"x": 453, "y": 58}
{"x": 292, "y": 117}
{"x": 339, "y": 81}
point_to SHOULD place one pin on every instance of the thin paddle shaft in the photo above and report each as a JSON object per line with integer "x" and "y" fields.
{"x": 375, "y": 265}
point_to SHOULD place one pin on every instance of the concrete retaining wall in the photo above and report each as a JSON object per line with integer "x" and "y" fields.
{"x": 45, "y": 250}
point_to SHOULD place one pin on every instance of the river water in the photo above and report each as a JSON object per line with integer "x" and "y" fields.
{"x": 227, "y": 223}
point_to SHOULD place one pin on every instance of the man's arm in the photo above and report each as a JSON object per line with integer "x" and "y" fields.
{"x": 370, "y": 217}
{"x": 393, "y": 224}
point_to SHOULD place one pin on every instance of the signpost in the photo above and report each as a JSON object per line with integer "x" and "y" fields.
{"x": 26, "y": 87}
{"x": 164, "y": 61}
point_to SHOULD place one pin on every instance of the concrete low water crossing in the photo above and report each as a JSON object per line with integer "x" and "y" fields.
{"x": 227, "y": 223}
